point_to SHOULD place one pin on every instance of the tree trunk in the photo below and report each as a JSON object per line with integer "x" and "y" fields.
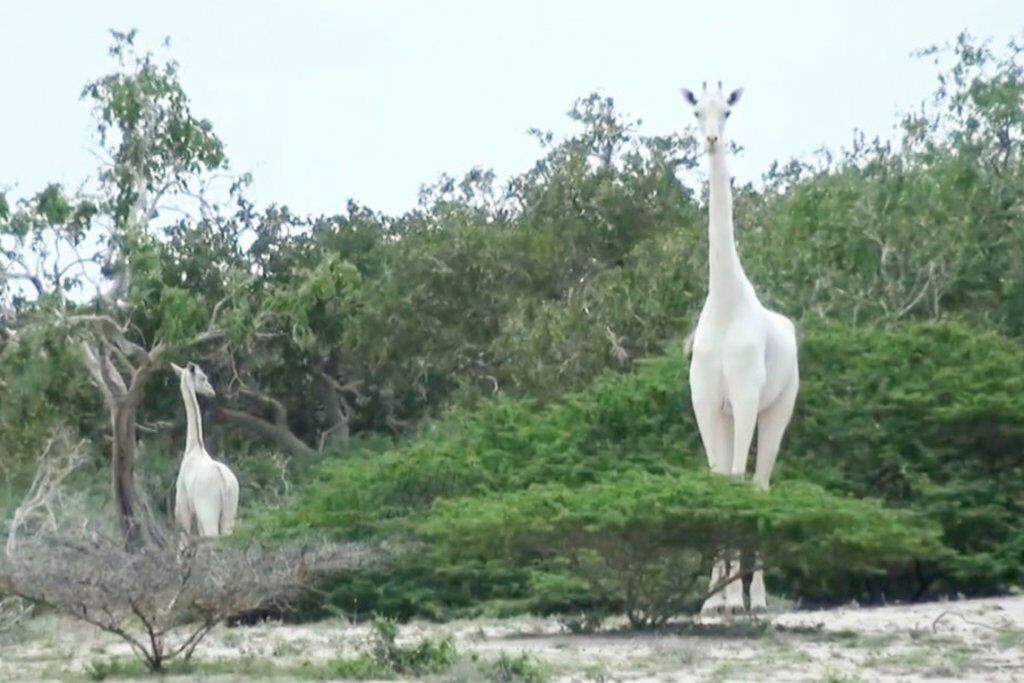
{"x": 122, "y": 472}
{"x": 276, "y": 432}
{"x": 334, "y": 411}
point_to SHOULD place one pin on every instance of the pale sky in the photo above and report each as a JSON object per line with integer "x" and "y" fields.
{"x": 329, "y": 100}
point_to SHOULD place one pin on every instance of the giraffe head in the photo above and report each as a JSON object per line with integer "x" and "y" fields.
{"x": 712, "y": 108}
{"x": 195, "y": 376}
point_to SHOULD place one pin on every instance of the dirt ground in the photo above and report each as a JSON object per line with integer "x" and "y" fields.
{"x": 970, "y": 640}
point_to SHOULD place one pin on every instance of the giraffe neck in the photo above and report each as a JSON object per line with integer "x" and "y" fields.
{"x": 726, "y": 279}
{"x": 194, "y": 434}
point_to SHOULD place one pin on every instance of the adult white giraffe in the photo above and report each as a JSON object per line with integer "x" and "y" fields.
{"x": 207, "y": 489}
{"x": 743, "y": 370}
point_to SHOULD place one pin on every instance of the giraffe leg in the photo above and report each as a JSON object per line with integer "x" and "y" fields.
{"x": 734, "y": 591}
{"x": 183, "y": 510}
{"x": 712, "y": 423}
{"x": 771, "y": 425}
{"x": 744, "y": 415}
{"x": 744, "y": 378}
{"x": 758, "y": 596}
{"x": 716, "y": 602}
{"x": 722, "y": 445}
{"x": 208, "y": 515}
{"x": 718, "y": 432}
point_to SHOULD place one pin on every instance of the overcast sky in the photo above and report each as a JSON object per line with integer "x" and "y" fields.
{"x": 328, "y": 100}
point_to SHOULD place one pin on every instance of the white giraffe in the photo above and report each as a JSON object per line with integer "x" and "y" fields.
{"x": 743, "y": 371}
{"x": 207, "y": 489}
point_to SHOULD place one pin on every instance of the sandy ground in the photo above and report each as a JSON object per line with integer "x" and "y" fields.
{"x": 970, "y": 640}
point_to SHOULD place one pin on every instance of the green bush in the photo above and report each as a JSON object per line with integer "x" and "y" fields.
{"x": 509, "y": 669}
{"x": 645, "y": 544}
{"x": 102, "y": 668}
{"x": 384, "y": 658}
{"x": 928, "y": 417}
{"x": 624, "y": 422}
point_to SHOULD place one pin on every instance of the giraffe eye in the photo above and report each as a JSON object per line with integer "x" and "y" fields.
{"x": 727, "y": 114}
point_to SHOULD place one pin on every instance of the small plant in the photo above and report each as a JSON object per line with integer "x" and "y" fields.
{"x": 1010, "y": 638}
{"x": 521, "y": 669}
{"x": 360, "y": 668}
{"x": 384, "y": 657}
{"x": 835, "y": 677}
{"x": 102, "y": 668}
{"x": 426, "y": 657}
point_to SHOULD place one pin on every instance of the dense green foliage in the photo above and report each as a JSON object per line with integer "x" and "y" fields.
{"x": 929, "y": 417}
{"x": 891, "y": 414}
{"x": 523, "y": 336}
{"x": 645, "y": 544}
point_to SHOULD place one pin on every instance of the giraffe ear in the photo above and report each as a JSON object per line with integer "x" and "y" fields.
{"x": 688, "y": 96}
{"x": 734, "y": 96}
{"x": 177, "y": 369}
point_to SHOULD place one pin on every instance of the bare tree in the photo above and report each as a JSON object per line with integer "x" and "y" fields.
{"x": 44, "y": 500}
{"x": 338, "y": 409}
{"x": 163, "y": 601}
{"x": 160, "y": 598}
{"x": 266, "y": 417}
{"x": 250, "y": 408}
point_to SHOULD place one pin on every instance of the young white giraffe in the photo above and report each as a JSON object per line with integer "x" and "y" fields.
{"x": 743, "y": 370}
{"x": 207, "y": 489}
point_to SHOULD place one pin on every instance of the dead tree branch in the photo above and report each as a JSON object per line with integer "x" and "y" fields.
{"x": 268, "y": 420}
{"x": 40, "y": 506}
{"x": 142, "y": 597}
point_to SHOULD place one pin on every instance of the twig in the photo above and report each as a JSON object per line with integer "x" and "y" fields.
{"x": 947, "y": 613}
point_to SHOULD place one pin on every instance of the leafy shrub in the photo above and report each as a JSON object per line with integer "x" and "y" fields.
{"x": 509, "y": 669}
{"x": 624, "y": 422}
{"x": 102, "y": 668}
{"x": 927, "y": 416}
{"x": 425, "y": 657}
{"x": 384, "y": 658}
{"x": 645, "y": 544}
{"x": 359, "y": 668}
